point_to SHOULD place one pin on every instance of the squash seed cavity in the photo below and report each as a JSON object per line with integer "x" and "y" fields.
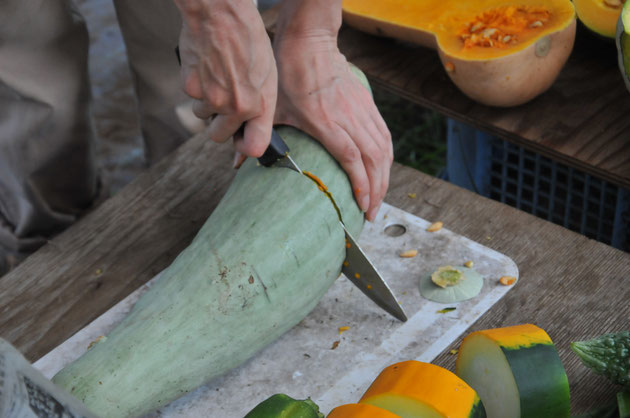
{"x": 501, "y": 27}
{"x": 467, "y": 288}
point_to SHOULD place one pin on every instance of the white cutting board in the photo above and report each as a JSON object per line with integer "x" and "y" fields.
{"x": 314, "y": 359}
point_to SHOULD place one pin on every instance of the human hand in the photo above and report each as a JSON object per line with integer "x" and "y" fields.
{"x": 318, "y": 94}
{"x": 229, "y": 68}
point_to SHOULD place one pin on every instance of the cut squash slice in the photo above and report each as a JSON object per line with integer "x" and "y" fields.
{"x": 516, "y": 371}
{"x": 412, "y": 389}
{"x": 600, "y": 16}
{"x": 623, "y": 44}
{"x": 496, "y": 52}
{"x": 358, "y": 410}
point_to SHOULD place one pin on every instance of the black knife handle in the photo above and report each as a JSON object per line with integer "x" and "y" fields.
{"x": 277, "y": 149}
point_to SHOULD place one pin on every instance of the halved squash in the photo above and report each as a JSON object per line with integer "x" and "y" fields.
{"x": 600, "y": 16}
{"x": 498, "y": 52}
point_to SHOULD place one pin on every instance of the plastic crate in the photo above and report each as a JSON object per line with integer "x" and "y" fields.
{"x": 538, "y": 185}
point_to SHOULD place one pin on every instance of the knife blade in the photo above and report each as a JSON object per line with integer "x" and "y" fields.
{"x": 362, "y": 273}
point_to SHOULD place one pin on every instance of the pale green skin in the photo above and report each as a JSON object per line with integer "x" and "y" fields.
{"x": 623, "y": 43}
{"x": 203, "y": 317}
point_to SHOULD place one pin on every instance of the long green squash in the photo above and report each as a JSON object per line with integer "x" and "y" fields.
{"x": 258, "y": 266}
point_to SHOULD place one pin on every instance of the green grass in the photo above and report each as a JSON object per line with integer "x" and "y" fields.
{"x": 418, "y": 134}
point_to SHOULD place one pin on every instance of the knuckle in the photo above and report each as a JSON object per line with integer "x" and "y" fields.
{"x": 350, "y": 153}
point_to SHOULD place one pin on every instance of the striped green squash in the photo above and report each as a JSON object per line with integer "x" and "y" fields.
{"x": 257, "y": 267}
{"x": 516, "y": 371}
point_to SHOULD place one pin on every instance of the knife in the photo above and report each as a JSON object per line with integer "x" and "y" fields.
{"x": 356, "y": 267}
{"x": 362, "y": 273}
{"x": 278, "y": 153}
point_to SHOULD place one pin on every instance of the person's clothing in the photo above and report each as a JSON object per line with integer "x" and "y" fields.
{"x": 48, "y": 173}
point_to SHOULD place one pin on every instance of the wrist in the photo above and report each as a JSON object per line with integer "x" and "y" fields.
{"x": 304, "y": 19}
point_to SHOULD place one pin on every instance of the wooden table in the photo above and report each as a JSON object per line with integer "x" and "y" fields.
{"x": 581, "y": 121}
{"x": 571, "y": 286}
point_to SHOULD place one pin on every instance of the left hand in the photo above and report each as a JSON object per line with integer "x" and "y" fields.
{"x": 318, "y": 94}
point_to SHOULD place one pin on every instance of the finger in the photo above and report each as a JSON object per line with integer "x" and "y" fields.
{"x": 202, "y": 110}
{"x": 345, "y": 151}
{"x": 382, "y": 165}
{"x": 223, "y": 127}
{"x": 256, "y": 136}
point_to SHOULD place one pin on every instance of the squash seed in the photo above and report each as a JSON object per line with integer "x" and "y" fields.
{"x": 409, "y": 254}
{"x": 536, "y": 24}
{"x": 506, "y": 39}
{"x": 488, "y": 32}
{"x": 476, "y": 27}
{"x": 507, "y": 280}
{"x": 435, "y": 227}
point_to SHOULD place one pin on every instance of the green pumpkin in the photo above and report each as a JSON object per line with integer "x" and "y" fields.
{"x": 258, "y": 266}
{"x": 623, "y": 43}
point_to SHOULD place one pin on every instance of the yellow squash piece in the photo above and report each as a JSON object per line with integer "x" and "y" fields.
{"x": 357, "y": 410}
{"x": 600, "y": 16}
{"x": 412, "y": 389}
{"x": 498, "y": 52}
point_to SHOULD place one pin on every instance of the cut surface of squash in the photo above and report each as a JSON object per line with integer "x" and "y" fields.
{"x": 526, "y": 41}
{"x": 516, "y": 371}
{"x": 467, "y": 287}
{"x": 413, "y": 389}
{"x": 358, "y": 410}
{"x": 600, "y": 16}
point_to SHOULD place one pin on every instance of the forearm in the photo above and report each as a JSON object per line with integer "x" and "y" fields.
{"x": 197, "y": 14}
{"x": 308, "y": 18}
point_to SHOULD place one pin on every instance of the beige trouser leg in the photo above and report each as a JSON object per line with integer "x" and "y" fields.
{"x": 47, "y": 170}
{"x": 151, "y": 32}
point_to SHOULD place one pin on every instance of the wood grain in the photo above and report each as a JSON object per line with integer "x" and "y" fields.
{"x": 571, "y": 286}
{"x": 580, "y": 121}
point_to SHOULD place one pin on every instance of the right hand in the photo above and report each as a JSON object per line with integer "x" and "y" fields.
{"x": 228, "y": 66}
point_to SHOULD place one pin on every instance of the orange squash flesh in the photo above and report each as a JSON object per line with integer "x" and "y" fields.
{"x": 415, "y": 389}
{"x": 498, "y": 52}
{"x": 357, "y": 410}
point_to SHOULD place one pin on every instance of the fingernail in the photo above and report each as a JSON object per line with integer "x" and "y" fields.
{"x": 371, "y": 215}
{"x": 364, "y": 203}
{"x": 238, "y": 159}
